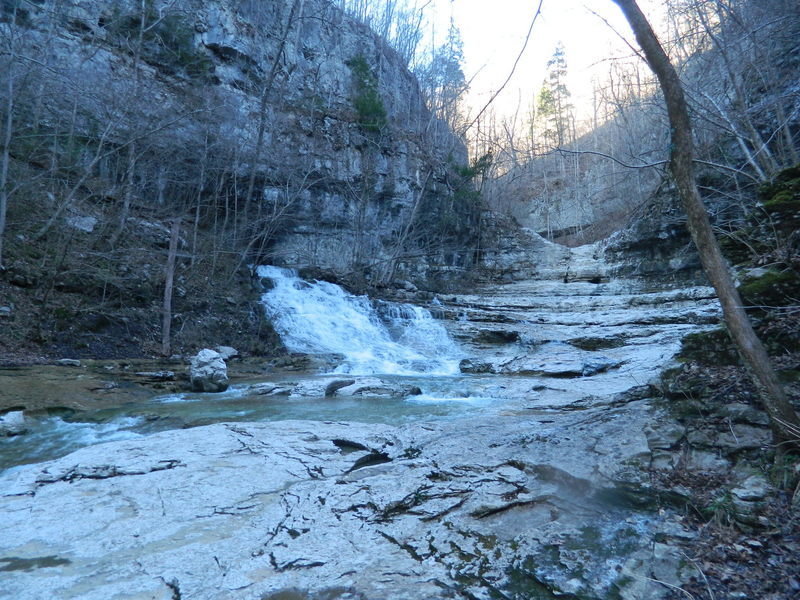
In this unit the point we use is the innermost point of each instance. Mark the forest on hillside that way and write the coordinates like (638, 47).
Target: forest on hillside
(134, 130)
(289, 311)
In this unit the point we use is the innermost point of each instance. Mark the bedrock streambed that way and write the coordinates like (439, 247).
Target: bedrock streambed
(399, 364)
(521, 476)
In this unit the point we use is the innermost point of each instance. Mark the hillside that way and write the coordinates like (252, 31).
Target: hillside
(269, 133)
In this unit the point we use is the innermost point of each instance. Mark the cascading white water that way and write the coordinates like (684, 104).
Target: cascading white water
(321, 317)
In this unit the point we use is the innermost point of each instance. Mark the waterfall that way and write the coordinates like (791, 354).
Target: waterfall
(320, 317)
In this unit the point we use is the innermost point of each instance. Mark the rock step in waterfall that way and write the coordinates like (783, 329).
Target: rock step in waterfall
(321, 317)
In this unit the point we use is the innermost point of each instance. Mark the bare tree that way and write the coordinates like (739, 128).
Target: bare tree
(4, 184)
(784, 421)
(166, 346)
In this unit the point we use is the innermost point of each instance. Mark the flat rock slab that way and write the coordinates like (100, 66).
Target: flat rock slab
(467, 509)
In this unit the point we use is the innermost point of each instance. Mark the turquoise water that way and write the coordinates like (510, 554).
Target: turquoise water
(403, 344)
(54, 436)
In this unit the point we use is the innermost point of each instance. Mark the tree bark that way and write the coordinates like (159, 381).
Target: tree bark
(166, 347)
(262, 107)
(784, 421)
(9, 122)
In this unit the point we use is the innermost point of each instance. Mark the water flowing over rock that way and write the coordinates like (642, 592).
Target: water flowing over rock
(320, 317)
(533, 483)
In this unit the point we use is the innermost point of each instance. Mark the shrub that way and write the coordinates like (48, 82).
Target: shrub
(367, 101)
(168, 45)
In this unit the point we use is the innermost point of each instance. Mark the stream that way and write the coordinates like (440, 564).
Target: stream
(491, 444)
(523, 347)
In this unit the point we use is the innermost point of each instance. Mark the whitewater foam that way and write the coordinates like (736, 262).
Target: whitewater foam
(323, 318)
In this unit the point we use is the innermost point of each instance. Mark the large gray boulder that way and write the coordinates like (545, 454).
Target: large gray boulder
(13, 423)
(208, 372)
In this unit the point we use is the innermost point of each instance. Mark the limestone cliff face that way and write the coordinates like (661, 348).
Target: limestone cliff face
(350, 159)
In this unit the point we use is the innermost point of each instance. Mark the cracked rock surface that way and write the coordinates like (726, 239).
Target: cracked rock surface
(546, 495)
(459, 510)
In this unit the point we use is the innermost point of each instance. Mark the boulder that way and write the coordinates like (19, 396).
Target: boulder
(338, 384)
(372, 386)
(227, 352)
(208, 372)
(13, 423)
(470, 365)
(68, 362)
(353, 387)
(82, 223)
(270, 389)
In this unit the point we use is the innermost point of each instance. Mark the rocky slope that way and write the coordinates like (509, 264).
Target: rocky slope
(544, 490)
(347, 147)
(280, 132)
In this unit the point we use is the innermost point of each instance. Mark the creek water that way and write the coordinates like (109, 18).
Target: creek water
(401, 343)
(538, 346)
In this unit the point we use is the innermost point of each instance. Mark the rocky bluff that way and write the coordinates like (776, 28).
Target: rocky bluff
(292, 124)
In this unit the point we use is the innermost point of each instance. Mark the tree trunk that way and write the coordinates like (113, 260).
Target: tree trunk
(5, 160)
(784, 420)
(262, 107)
(166, 348)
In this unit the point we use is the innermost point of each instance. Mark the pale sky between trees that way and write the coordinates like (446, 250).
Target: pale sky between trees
(493, 32)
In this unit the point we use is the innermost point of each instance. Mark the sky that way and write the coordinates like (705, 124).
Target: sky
(493, 32)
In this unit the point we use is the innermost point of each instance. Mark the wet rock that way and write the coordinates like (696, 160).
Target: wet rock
(271, 389)
(333, 386)
(496, 336)
(566, 367)
(372, 386)
(208, 372)
(307, 362)
(598, 365)
(13, 423)
(156, 376)
(227, 353)
(315, 273)
(310, 388)
(5, 311)
(471, 365)
(596, 343)
(68, 362)
(355, 386)
(429, 507)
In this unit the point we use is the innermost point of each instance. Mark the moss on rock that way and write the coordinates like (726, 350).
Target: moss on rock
(772, 288)
(709, 348)
(781, 201)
